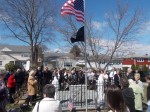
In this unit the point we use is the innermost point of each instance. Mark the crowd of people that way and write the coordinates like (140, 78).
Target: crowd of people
(123, 92)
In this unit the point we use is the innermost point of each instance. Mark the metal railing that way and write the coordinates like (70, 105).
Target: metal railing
(76, 94)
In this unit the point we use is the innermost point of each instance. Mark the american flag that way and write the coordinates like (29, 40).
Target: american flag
(74, 7)
(70, 105)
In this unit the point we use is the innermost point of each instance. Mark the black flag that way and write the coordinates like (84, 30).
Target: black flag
(79, 35)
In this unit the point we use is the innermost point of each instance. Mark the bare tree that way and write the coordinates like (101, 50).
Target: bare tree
(75, 50)
(29, 21)
(70, 28)
(123, 26)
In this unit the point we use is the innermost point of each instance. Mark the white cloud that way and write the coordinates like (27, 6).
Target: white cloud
(145, 28)
(99, 25)
(57, 50)
(4, 16)
(141, 49)
(136, 48)
(96, 24)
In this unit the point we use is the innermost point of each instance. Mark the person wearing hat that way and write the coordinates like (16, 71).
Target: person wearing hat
(148, 92)
(3, 92)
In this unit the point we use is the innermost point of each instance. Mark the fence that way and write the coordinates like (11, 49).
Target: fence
(76, 93)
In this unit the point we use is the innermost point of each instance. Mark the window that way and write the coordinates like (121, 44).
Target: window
(118, 62)
(115, 62)
(25, 55)
(140, 60)
(12, 62)
(1, 62)
(148, 59)
(111, 62)
(67, 64)
(102, 62)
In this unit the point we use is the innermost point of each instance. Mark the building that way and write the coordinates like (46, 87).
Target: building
(67, 60)
(60, 60)
(19, 55)
(115, 62)
(14, 54)
(136, 60)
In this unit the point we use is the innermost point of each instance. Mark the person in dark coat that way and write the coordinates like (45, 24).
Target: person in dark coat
(128, 95)
(74, 77)
(60, 77)
(81, 77)
(3, 93)
(7, 76)
(66, 77)
(129, 74)
(47, 76)
(18, 78)
(23, 74)
(117, 78)
(39, 76)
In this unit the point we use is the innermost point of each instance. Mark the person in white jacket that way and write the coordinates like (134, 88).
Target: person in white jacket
(48, 103)
(137, 80)
(138, 94)
(100, 89)
(56, 84)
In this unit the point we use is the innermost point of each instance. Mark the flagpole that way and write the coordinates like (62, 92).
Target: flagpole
(85, 38)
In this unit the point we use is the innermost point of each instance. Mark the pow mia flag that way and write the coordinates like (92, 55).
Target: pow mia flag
(79, 36)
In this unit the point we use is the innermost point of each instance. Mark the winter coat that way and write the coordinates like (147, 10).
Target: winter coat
(117, 80)
(130, 76)
(32, 86)
(100, 89)
(18, 77)
(138, 94)
(11, 82)
(148, 92)
(56, 84)
(48, 105)
(128, 96)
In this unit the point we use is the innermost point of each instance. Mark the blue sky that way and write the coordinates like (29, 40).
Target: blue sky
(98, 9)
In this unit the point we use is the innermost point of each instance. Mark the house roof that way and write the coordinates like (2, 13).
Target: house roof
(138, 56)
(14, 48)
(53, 55)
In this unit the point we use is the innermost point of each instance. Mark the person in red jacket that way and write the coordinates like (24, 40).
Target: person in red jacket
(11, 84)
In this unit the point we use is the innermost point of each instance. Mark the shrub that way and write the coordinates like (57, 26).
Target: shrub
(10, 66)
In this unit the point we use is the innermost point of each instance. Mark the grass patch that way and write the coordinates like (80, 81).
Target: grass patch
(13, 106)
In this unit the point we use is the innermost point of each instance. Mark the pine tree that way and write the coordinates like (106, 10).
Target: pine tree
(137, 67)
(133, 67)
(144, 68)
